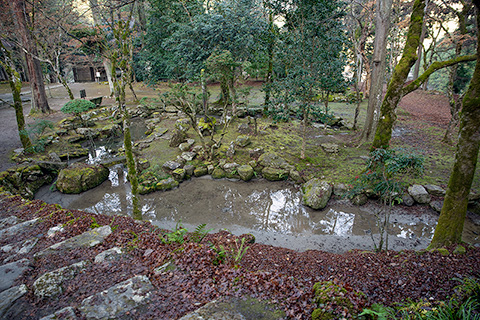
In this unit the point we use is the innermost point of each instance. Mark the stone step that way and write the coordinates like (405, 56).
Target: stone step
(10, 272)
(51, 284)
(118, 300)
(236, 309)
(9, 296)
(17, 228)
(87, 239)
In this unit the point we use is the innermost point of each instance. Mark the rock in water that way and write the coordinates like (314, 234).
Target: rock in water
(81, 177)
(316, 193)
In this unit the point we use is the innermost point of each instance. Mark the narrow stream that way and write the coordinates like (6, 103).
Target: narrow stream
(272, 212)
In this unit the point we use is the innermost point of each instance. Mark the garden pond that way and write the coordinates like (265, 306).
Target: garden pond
(271, 211)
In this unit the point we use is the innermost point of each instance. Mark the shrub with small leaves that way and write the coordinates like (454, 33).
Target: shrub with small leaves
(77, 106)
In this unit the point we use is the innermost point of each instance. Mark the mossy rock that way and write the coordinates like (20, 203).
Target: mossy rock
(166, 184)
(218, 173)
(274, 161)
(245, 172)
(178, 174)
(334, 301)
(442, 251)
(81, 177)
(460, 250)
(316, 193)
(200, 171)
(274, 174)
(143, 189)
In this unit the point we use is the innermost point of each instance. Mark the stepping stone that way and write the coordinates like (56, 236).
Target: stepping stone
(117, 300)
(108, 255)
(18, 248)
(12, 271)
(50, 283)
(235, 309)
(87, 239)
(15, 229)
(65, 314)
(8, 222)
(8, 297)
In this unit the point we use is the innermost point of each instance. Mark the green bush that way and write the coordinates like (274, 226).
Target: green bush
(77, 106)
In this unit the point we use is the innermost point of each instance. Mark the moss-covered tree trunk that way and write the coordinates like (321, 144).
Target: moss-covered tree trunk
(388, 115)
(120, 59)
(16, 87)
(452, 217)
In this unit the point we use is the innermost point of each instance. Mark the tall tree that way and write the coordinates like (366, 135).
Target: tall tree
(21, 18)
(396, 87)
(454, 101)
(382, 25)
(310, 59)
(452, 217)
(121, 58)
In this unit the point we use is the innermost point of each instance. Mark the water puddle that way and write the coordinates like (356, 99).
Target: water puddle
(270, 211)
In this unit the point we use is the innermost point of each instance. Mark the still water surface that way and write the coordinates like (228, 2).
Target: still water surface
(272, 211)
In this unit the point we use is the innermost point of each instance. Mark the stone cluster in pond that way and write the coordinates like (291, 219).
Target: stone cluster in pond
(317, 193)
(269, 166)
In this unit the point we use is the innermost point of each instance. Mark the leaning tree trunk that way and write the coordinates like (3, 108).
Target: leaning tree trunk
(377, 75)
(33, 64)
(452, 217)
(388, 115)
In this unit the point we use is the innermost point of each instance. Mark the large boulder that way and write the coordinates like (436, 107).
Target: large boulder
(419, 194)
(81, 177)
(316, 193)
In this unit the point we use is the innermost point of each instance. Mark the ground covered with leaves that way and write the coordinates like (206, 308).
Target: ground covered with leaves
(219, 266)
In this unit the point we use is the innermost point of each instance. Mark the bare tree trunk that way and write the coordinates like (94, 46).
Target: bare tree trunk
(382, 25)
(34, 68)
(142, 19)
(108, 70)
(270, 50)
(452, 217)
(388, 115)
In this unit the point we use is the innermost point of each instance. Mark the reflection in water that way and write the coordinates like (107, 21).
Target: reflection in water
(338, 223)
(260, 206)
